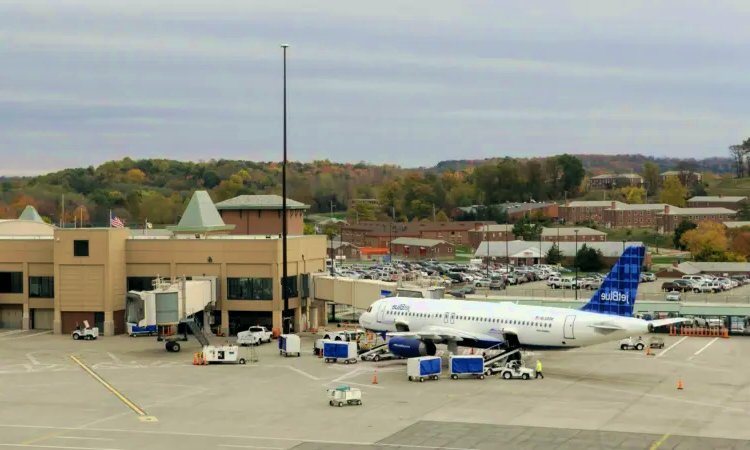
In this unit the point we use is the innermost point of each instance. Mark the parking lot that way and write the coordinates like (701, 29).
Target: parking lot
(646, 291)
(591, 398)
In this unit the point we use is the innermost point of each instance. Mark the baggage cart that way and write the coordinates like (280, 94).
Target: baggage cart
(466, 365)
(223, 354)
(289, 344)
(344, 395)
(424, 368)
(335, 350)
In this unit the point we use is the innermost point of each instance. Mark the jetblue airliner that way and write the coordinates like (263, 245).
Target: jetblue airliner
(416, 326)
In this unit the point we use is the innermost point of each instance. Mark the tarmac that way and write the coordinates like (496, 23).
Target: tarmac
(121, 393)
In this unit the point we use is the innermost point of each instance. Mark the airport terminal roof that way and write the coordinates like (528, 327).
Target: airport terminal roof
(260, 202)
(717, 199)
(201, 216)
(568, 249)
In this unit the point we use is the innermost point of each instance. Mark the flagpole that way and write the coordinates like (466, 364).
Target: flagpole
(144, 225)
(62, 217)
(110, 218)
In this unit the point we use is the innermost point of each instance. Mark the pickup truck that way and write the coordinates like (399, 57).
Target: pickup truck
(254, 336)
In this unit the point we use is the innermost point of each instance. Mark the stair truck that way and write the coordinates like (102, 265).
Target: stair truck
(335, 350)
(289, 344)
(466, 365)
(424, 368)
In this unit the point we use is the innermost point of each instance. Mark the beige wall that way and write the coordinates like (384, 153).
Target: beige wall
(357, 293)
(97, 283)
(25, 228)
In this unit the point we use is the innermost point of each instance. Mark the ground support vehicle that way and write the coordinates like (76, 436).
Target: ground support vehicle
(344, 395)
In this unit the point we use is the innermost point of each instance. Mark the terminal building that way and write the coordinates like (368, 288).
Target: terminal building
(52, 278)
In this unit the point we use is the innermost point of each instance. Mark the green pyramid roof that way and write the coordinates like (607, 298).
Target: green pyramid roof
(201, 216)
(29, 213)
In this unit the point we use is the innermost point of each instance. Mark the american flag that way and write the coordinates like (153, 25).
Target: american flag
(114, 221)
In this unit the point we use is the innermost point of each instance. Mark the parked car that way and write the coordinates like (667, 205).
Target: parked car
(554, 282)
(647, 276)
(569, 283)
(674, 296)
(482, 283)
(677, 285)
(497, 283)
(707, 287)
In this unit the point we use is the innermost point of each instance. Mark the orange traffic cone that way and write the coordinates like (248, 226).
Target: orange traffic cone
(195, 359)
(648, 351)
(679, 384)
(375, 378)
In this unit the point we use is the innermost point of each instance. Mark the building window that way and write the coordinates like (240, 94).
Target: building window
(250, 288)
(305, 285)
(11, 282)
(290, 284)
(140, 283)
(42, 287)
(80, 248)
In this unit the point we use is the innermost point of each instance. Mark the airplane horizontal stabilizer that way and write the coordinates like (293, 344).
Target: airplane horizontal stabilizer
(664, 322)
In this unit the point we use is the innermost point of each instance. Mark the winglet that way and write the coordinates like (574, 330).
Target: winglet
(618, 292)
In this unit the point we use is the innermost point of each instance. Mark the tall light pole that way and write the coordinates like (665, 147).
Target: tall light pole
(507, 257)
(284, 280)
(575, 263)
(487, 263)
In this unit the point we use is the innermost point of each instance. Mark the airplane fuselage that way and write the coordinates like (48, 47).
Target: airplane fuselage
(535, 326)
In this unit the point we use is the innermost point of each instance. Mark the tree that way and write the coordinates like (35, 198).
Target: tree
(633, 195)
(673, 193)
(651, 176)
(740, 241)
(441, 217)
(680, 230)
(589, 259)
(308, 228)
(136, 175)
(709, 237)
(554, 255)
(738, 157)
(81, 215)
(743, 213)
(527, 230)
(362, 211)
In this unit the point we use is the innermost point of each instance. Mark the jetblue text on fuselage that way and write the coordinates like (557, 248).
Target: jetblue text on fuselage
(401, 307)
(614, 296)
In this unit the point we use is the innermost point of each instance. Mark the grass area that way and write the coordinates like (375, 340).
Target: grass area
(646, 235)
(729, 186)
(666, 259)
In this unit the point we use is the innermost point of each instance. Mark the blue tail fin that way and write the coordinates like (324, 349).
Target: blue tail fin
(618, 291)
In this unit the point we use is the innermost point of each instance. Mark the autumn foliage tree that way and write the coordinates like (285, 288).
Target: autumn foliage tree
(633, 195)
(708, 242)
(673, 192)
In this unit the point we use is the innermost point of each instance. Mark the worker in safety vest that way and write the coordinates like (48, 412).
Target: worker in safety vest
(539, 369)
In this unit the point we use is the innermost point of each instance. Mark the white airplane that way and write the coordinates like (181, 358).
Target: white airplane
(416, 326)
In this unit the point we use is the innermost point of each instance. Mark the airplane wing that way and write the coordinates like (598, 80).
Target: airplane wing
(663, 322)
(437, 333)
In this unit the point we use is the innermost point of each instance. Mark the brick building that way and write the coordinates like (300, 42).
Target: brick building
(343, 250)
(493, 233)
(719, 201)
(420, 249)
(668, 219)
(379, 234)
(568, 234)
(262, 215)
(587, 211)
(611, 181)
(516, 210)
(623, 215)
(687, 178)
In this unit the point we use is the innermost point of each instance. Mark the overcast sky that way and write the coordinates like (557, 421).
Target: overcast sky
(408, 82)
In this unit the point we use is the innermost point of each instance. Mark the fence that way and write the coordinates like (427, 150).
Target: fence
(585, 294)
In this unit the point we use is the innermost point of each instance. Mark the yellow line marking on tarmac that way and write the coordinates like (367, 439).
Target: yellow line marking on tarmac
(142, 415)
(658, 443)
(43, 438)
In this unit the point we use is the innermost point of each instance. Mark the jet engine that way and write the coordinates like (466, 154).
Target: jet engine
(410, 348)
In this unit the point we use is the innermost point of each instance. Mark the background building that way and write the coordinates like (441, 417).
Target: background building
(668, 219)
(527, 253)
(587, 211)
(719, 201)
(261, 214)
(623, 215)
(612, 181)
(421, 249)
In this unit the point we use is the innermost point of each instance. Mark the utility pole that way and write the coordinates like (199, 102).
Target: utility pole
(284, 280)
(433, 212)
